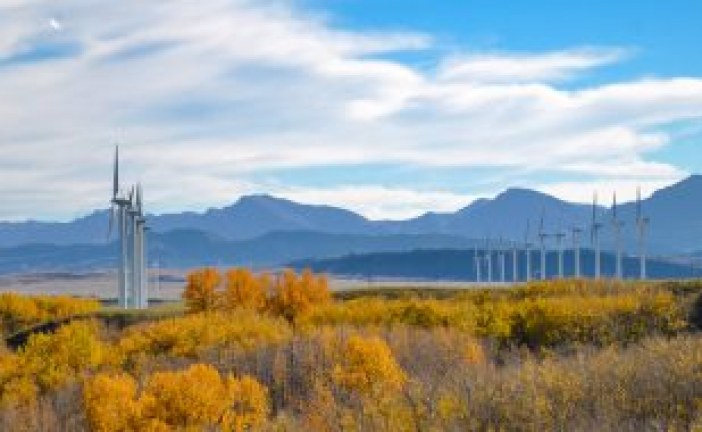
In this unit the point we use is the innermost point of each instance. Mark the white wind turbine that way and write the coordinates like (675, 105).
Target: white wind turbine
(575, 233)
(642, 224)
(527, 252)
(617, 226)
(542, 243)
(595, 228)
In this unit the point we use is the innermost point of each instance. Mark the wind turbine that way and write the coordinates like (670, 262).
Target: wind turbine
(575, 233)
(542, 242)
(501, 258)
(488, 259)
(617, 225)
(515, 262)
(120, 205)
(527, 252)
(642, 224)
(131, 275)
(478, 264)
(560, 236)
(595, 228)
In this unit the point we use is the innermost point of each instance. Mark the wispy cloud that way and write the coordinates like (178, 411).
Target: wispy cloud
(203, 94)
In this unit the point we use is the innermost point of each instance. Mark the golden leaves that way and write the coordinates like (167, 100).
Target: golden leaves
(368, 367)
(288, 295)
(195, 398)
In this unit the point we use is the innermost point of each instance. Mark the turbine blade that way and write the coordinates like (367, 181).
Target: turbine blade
(115, 174)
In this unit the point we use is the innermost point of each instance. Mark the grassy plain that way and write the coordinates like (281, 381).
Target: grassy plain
(249, 352)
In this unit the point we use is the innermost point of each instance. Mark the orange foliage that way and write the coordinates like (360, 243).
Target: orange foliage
(110, 403)
(244, 289)
(294, 295)
(193, 399)
(368, 367)
(18, 311)
(200, 293)
(289, 295)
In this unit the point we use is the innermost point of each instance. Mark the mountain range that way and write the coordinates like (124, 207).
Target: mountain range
(264, 230)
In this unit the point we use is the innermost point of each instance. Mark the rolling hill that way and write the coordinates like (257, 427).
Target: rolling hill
(675, 212)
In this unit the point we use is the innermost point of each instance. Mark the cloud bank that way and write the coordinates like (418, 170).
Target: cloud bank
(206, 96)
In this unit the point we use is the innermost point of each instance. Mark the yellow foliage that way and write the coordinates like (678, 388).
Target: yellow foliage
(193, 399)
(368, 367)
(54, 359)
(19, 311)
(294, 295)
(16, 387)
(191, 335)
(200, 293)
(110, 403)
(248, 404)
(245, 290)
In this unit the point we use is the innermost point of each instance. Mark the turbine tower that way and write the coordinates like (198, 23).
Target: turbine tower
(515, 262)
(560, 236)
(119, 205)
(501, 259)
(642, 223)
(488, 260)
(617, 225)
(527, 252)
(478, 265)
(595, 228)
(131, 271)
(575, 233)
(542, 243)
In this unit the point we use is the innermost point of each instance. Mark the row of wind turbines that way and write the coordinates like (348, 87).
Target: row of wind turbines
(127, 207)
(491, 262)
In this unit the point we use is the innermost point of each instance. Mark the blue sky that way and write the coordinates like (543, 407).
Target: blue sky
(390, 108)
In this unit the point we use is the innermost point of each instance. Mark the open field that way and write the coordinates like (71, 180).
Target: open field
(248, 352)
(101, 285)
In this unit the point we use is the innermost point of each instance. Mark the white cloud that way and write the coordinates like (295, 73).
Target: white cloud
(204, 94)
(511, 68)
(379, 202)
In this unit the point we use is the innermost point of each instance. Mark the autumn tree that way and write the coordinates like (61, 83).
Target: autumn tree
(294, 295)
(110, 403)
(368, 367)
(196, 398)
(200, 293)
(248, 404)
(244, 289)
(55, 359)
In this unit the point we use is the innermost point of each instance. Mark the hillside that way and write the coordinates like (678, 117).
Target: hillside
(675, 213)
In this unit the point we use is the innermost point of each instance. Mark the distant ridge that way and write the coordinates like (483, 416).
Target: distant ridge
(675, 212)
(459, 265)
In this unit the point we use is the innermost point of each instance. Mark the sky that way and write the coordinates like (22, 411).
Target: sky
(389, 108)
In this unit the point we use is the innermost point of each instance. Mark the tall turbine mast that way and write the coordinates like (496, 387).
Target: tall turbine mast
(119, 204)
(478, 264)
(527, 252)
(501, 258)
(515, 262)
(595, 228)
(131, 274)
(642, 227)
(575, 233)
(542, 243)
(488, 259)
(560, 236)
(617, 225)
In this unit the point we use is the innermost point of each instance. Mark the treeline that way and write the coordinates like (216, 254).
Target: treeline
(18, 312)
(288, 294)
(258, 352)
